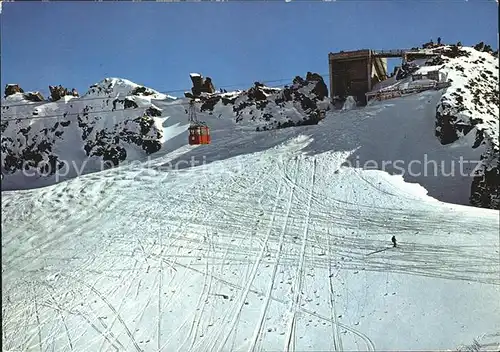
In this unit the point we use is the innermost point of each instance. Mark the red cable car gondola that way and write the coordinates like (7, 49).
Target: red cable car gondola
(199, 133)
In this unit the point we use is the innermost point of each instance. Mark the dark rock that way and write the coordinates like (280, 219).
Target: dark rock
(256, 93)
(485, 187)
(142, 91)
(150, 146)
(454, 51)
(33, 96)
(208, 86)
(303, 95)
(479, 46)
(228, 100)
(127, 103)
(448, 128)
(454, 118)
(12, 89)
(153, 111)
(31, 154)
(57, 92)
(209, 104)
(34, 148)
(201, 85)
(438, 60)
(406, 70)
(320, 90)
(197, 85)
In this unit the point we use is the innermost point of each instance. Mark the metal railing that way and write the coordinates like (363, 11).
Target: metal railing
(395, 92)
(394, 52)
(403, 52)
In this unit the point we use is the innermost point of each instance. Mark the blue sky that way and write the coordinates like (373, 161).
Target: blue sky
(77, 44)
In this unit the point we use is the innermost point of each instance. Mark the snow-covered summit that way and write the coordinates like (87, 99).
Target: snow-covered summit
(116, 120)
(115, 87)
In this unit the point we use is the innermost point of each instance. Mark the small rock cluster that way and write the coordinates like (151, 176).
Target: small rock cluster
(57, 92)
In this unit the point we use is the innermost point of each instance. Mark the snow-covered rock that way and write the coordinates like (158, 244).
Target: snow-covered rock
(15, 92)
(58, 92)
(119, 87)
(200, 85)
(302, 103)
(471, 105)
(11, 89)
(113, 122)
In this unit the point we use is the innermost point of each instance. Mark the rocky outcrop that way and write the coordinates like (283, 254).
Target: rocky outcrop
(57, 92)
(471, 105)
(321, 89)
(454, 51)
(143, 91)
(109, 142)
(486, 182)
(481, 46)
(302, 103)
(33, 96)
(201, 85)
(11, 89)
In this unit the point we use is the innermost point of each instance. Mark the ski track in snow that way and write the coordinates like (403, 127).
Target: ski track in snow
(284, 254)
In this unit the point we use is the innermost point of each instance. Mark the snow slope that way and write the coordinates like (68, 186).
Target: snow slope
(275, 240)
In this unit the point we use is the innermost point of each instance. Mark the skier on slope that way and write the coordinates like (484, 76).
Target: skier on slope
(393, 239)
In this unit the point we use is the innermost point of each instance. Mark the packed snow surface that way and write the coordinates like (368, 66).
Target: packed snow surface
(271, 242)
